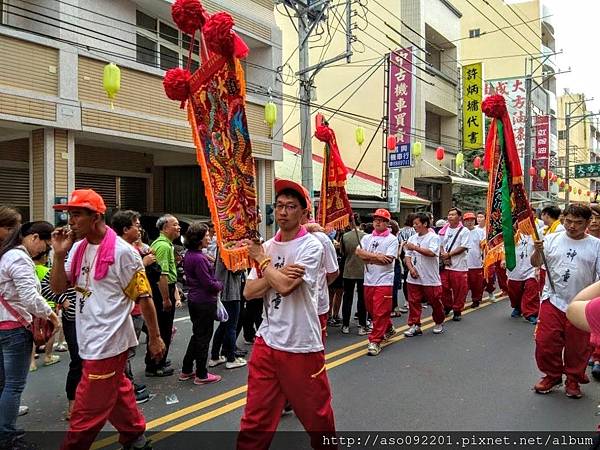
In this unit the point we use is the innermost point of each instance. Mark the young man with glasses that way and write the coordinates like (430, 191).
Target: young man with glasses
(379, 250)
(288, 359)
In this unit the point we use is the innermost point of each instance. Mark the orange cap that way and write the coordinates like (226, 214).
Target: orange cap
(469, 215)
(383, 213)
(83, 198)
(281, 184)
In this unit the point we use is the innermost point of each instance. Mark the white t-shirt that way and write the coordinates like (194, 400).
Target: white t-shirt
(103, 319)
(476, 235)
(573, 264)
(292, 323)
(329, 264)
(457, 262)
(523, 270)
(427, 266)
(377, 274)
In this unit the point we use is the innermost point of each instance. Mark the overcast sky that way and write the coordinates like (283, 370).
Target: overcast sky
(576, 24)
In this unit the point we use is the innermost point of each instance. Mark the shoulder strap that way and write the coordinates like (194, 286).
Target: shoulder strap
(454, 240)
(14, 312)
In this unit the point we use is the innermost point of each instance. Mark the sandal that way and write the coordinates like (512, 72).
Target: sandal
(53, 360)
(395, 314)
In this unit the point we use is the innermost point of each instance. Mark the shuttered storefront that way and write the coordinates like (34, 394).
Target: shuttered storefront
(184, 191)
(14, 175)
(105, 185)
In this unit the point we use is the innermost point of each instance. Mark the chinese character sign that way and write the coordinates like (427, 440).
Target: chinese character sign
(539, 184)
(394, 191)
(542, 136)
(472, 116)
(513, 91)
(400, 94)
(587, 170)
(400, 157)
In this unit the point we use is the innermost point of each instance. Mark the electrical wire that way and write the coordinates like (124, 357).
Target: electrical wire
(514, 27)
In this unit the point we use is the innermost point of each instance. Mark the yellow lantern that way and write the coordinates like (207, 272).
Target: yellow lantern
(558, 180)
(417, 150)
(270, 116)
(566, 186)
(111, 81)
(543, 174)
(359, 134)
(460, 159)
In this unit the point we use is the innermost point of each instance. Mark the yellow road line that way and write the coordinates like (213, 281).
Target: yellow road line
(428, 323)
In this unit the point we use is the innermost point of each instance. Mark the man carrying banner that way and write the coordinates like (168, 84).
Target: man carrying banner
(573, 262)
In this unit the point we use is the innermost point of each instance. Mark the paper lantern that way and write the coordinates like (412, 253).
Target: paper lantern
(417, 149)
(543, 174)
(439, 154)
(570, 188)
(554, 178)
(559, 180)
(562, 184)
(319, 118)
(460, 159)
(532, 171)
(550, 175)
(579, 191)
(111, 81)
(391, 142)
(477, 162)
(588, 193)
(270, 116)
(359, 134)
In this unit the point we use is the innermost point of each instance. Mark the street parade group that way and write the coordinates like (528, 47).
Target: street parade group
(98, 285)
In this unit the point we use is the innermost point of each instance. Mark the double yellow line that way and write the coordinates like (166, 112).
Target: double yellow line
(214, 413)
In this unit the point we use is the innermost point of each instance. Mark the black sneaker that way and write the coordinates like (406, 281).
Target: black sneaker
(147, 446)
(447, 311)
(139, 387)
(164, 372)
(142, 397)
(456, 317)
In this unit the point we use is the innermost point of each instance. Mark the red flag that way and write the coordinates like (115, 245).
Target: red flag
(334, 209)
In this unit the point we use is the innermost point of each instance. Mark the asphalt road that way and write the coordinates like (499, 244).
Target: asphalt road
(476, 376)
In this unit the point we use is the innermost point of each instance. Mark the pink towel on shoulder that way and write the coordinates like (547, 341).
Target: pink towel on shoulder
(442, 232)
(106, 256)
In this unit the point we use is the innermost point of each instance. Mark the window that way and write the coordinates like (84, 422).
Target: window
(433, 130)
(159, 44)
(474, 33)
(562, 134)
(434, 56)
(2, 16)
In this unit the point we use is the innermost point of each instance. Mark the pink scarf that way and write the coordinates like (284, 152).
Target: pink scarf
(105, 257)
(302, 232)
(385, 233)
(442, 232)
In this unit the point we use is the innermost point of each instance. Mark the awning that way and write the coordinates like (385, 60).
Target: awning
(443, 179)
(359, 185)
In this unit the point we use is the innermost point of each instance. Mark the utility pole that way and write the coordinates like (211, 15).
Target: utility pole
(309, 13)
(568, 126)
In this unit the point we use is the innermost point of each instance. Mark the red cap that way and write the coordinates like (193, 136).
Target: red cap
(469, 215)
(383, 213)
(281, 184)
(83, 198)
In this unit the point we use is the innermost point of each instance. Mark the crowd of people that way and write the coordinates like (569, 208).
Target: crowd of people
(106, 285)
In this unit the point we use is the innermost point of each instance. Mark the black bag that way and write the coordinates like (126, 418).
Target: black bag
(442, 265)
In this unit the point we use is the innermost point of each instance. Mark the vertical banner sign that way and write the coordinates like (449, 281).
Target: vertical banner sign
(542, 154)
(394, 191)
(400, 95)
(513, 91)
(472, 94)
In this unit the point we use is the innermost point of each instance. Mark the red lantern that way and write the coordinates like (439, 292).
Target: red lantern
(562, 184)
(391, 142)
(532, 171)
(440, 153)
(477, 162)
(550, 175)
(570, 188)
(579, 191)
(554, 178)
(319, 118)
(588, 193)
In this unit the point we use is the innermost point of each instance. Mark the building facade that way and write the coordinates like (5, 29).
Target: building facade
(58, 130)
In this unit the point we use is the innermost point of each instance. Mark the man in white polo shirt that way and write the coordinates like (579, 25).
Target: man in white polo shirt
(475, 276)
(424, 283)
(453, 253)
(523, 287)
(379, 250)
(288, 358)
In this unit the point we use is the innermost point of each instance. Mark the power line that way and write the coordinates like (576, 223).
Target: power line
(524, 22)
(485, 33)
(514, 27)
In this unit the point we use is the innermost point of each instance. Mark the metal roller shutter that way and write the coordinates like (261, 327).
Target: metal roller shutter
(105, 185)
(133, 193)
(14, 189)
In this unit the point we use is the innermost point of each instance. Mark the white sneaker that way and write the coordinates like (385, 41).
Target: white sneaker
(23, 410)
(373, 349)
(216, 362)
(414, 330)
(439, 328)
(389, 333)
(238, 362)
(345, 330)
(362, 331)
(492, 297)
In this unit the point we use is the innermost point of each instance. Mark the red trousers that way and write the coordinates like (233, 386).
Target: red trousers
(502, 277)
(525, 296)
(454, 289)
(323, 322)
(476, 283)
(378, 302)
(273, 377)
(416, 295)
(555, 335)
(104, 394)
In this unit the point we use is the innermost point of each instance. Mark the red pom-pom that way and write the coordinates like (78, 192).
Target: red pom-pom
(189, 15)
(177, 84)
(494, 106)
(218, 34)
